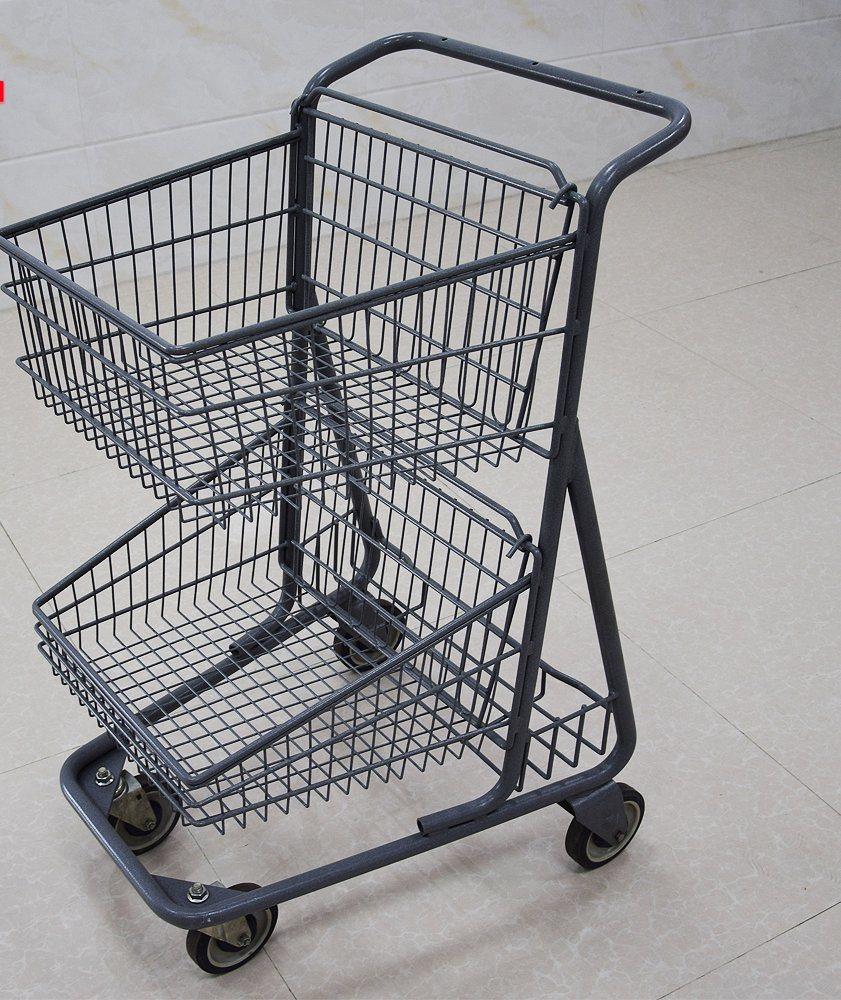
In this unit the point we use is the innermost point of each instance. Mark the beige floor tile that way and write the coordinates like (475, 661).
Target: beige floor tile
(803, 962)
(669, 238)
(773, 335)
(735, 850)
(719, 866)
(35, 444)
(797, 188)
(60, 522)
(603, 313)
(759, 149)
(672, 441)
(38, 716)
(745, 611)
(73, 927)
(20, 589)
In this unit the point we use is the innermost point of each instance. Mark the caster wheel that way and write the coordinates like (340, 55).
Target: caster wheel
(218, 957)
(166, 819)
(590, 851)
(357, 652)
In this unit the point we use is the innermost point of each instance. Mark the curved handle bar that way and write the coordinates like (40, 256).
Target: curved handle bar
(612, 173)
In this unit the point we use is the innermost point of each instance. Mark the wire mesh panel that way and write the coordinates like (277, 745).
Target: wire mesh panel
(155, 320)
(234, 697)
(158, 266)
(235, 689)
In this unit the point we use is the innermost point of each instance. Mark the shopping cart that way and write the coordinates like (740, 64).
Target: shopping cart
(308, 348)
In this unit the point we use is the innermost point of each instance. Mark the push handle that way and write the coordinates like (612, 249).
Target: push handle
(611, 174)
(555, 76)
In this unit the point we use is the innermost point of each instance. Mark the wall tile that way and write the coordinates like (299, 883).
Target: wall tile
(550, 30)
(36, 184)
(747, 87)
(160, 64)
(629, 23)
(41, 110)
(520, 113)
(113, 164)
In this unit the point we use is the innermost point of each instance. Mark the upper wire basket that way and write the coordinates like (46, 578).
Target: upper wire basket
(156, 319)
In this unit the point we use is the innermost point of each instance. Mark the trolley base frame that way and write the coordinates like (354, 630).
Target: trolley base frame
(591, 796)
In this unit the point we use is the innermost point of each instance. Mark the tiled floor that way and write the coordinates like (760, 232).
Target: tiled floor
(712, 416)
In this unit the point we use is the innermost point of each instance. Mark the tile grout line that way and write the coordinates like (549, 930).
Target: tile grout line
(277, 970)
(40, 760)
(73, 56)
(712, 189)
(190, 834)
(762, 944)
(639, 317)
(48, 479)
(17, 550)
(726, 291)
(692, 163)
(221, 881)
(636, 642)
(712, 520)
(763, 389)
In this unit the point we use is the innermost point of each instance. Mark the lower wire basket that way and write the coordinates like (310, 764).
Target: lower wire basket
(244, 664)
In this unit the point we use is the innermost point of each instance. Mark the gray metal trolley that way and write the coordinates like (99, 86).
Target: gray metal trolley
(309, 348)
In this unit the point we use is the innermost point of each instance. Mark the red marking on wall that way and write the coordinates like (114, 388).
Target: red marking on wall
(2, 91)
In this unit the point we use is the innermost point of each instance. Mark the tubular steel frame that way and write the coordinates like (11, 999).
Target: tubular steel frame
(591, 794)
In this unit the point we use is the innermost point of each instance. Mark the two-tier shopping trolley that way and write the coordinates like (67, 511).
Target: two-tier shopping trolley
(317, 351)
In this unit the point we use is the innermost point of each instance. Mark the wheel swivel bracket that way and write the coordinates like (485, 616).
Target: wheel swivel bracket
(236, 932)
(131, 803)
(602, 812)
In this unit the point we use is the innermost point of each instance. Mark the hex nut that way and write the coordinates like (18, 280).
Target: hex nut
(197, 893)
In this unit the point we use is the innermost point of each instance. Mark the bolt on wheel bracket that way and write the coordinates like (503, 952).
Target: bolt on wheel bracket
(602, 812)
(101, 778)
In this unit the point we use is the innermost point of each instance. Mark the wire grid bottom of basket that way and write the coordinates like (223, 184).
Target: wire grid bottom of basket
(401, 720)
(179, 638)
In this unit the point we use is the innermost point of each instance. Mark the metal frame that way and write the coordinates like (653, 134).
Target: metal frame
(590, 795)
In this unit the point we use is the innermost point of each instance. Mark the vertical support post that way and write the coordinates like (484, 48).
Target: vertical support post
(298, 255)
(563, 466)
(601, 601)
(311, 343)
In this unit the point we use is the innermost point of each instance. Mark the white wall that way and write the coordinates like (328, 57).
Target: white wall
(100, 92)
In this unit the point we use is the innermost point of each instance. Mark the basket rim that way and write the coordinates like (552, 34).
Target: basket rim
(321, 313)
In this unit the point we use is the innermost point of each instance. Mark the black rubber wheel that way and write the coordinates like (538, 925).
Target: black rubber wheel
(166, 819)
(218, 957)
(590, 851)
(358, 652)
